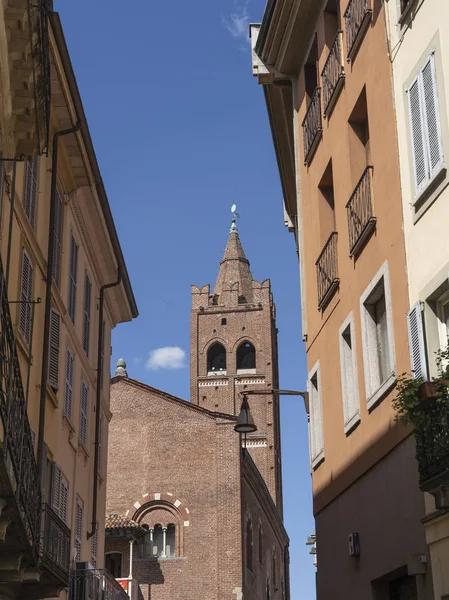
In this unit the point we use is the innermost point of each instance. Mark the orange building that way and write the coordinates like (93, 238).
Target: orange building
(327, 80)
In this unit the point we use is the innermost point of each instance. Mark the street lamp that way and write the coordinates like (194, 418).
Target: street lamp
(245, 422)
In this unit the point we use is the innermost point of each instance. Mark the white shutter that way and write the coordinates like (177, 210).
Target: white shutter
(79, 527)
(87, 305)
(84, 405)
(53, 358)
(57, 233)
(316, 419)
(68, 390)
(418, 136)
(73, 278)
(432, 116)
(30, 191)
(56, 476)
(26, 296)
(417, 342)
(100, 443)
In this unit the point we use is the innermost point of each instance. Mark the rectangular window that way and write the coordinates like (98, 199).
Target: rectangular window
(57, 236)
(416, 342)
(53, 358)
(59, 492)
(377, 337)
(30, 189)
(26, 297)
(316, 417)
(425, 125)
(68, 390)
(100, 443)
(443, 320)
(86, 313)
(73, 278)
(84, 407)
(79, 527)
(349, 382)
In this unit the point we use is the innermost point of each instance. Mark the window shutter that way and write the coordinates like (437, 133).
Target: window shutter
(57, 232)
(84, 404)
(73, 278)
(26, 291)
(101, 374)
(94, 548)
(432, 116)
(79, 527)
(87, 305)
(417, 131)
(64, 499)
(100, 443)
(30, 192)
(316, 420)
(53, 359)
(417, 342)
(56, 476)
(68, 391)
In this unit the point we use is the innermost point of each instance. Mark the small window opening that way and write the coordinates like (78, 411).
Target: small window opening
(311, 71)
(359, 142)
(114, 564)
(242, 300)
(326, 205)
(216, 358)
(170, 542)
(246, 356)
(223, 321)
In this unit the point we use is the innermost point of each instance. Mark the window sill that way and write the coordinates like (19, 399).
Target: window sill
(216, 373)
(83, 449)
(246, 371)
(430, 193)
(66, 420)
(383, 389)
(316, 462)
(352, 424)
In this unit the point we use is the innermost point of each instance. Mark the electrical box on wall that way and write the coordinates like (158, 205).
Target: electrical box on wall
(354, 544)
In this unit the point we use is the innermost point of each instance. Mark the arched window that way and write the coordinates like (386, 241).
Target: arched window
(170, 541)
(113, 564)
(216, 358)
(246, 356)
(242, 300)
(249, 546)
(260, 545)
(158, 541)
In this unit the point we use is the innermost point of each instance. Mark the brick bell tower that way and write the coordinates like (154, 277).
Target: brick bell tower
(233, 347)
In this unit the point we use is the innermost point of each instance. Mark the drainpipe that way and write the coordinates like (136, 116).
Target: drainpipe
(98, 398)
(48, 284)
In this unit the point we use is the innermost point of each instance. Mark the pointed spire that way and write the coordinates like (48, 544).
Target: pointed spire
(120, 370)
(234, 267)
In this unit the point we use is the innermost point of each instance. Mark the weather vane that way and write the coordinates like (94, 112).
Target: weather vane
(235, 215)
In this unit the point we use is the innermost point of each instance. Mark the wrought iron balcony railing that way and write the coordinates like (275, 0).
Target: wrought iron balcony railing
(357, 17)
(19, 478)
(312, 126)
(327, 271)
(55, 545)
(432, 448)
(333, 74)
(95, 584)
(361, 219)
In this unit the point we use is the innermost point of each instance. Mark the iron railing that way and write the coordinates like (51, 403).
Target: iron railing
(432, 447)
(312, 126)
(95, 584)
(327, 271)
(357, 16)
(361, 219)
(333, 73)
(55, 545)
(17, 450)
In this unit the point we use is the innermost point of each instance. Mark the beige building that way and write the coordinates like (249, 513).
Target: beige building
(419, 52)
(327, 78)
(59, 256)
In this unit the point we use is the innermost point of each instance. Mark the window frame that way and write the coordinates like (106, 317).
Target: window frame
(316, 421)
(58, 238)
(73, 278)
(25, 308)
(67, 408)
(87, 312)
(29, 200)
(351, 411)
(83, 434)
(374, 393)
(79, 524)
(443, 329)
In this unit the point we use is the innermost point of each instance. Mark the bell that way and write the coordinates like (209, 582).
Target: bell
(245, 422)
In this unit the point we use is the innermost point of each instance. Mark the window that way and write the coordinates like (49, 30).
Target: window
(30, 189)
(246, 356)
(216, 358)
(57, 236)
(68, 389)
(249, 546)
(348, 367)
(425, 126)
(72, 278)
(59, 492)
(260, 545)
(86, 319)
(170, 541)
(326, 205)
(84, 408)
(403, 588)
(223, 321)
(102, 337)
(416, 342)
(79, 527)
(113, 564)
(316, 417)
(242, 300)
(53, 358)
(377, 337)
(443, 320)
(100, 443)
(26, 297)
(158, 546)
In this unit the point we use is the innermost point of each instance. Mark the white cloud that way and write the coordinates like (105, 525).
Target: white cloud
(237, 23)
(169, 357)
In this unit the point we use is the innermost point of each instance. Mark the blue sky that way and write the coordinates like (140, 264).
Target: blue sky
(181, 132)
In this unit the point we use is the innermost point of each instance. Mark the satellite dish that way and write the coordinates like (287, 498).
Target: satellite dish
(233, 208)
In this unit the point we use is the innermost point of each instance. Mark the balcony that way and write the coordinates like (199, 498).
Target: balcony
(333, 74)
(327, 271)
(55, 547)
(95, 584)
(361, 220)
(29, 73)
(311, 126)
(357, 18)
